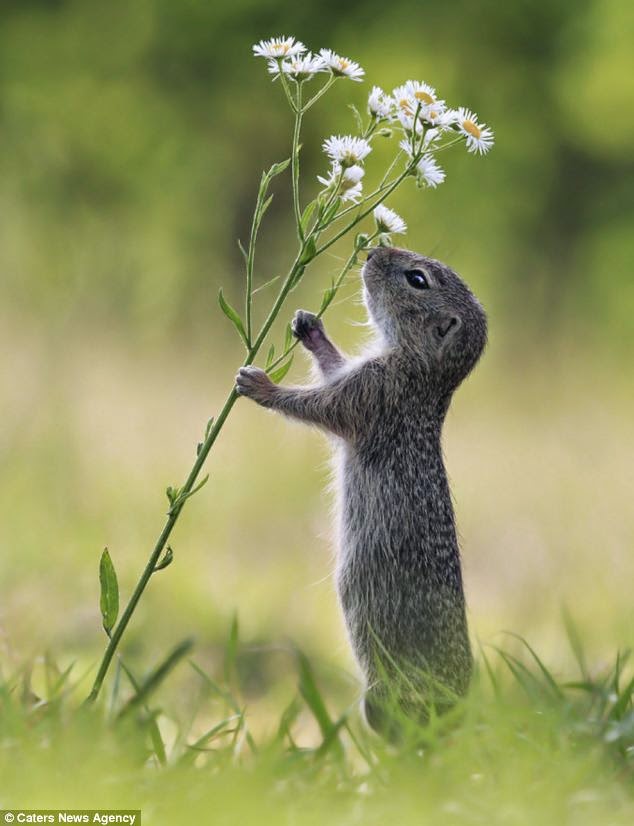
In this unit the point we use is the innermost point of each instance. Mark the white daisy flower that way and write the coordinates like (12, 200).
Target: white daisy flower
(342, 66)
(278, 47)
(379, 103)
(428, 171)
(479, 137)
(350, 186)
(404, 101)
(353, 193)
(422, 93)
(415, 97)
(388, 221)
(302, 67)
(447, 119)
(434, 113)
(346, 150)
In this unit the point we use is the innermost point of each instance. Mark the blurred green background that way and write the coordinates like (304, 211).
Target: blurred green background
(132, 136)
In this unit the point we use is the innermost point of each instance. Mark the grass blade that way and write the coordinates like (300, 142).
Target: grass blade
(156, 677)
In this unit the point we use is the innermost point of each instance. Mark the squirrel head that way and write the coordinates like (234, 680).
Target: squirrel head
(422, 305)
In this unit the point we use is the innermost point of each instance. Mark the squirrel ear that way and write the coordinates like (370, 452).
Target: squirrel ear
(444, 327)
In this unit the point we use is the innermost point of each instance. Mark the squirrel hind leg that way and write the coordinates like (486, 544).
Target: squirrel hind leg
(388, 716)
(399, 718)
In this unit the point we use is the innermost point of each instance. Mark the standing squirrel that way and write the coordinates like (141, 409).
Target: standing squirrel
(398, 564)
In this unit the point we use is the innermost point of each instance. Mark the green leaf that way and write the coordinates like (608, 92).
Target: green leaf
(548, 677)
(180, 498)
(277, 375)
(278, 168)
(221, 728)
(361, 240)
(357, 116)
(270, 357)
(233, 317)
(315, 702)
(288, 338)
(306, 215)
(330, 212)
(308, 253)
(109, 598)
(298, 276)
(265, 285)
(329, 294)
(242, 250)
(167, 559)
(264, 207)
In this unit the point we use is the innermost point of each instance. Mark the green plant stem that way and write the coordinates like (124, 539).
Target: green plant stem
(250, 263)
(120, 627)
(339, 281)
(321, 92)
(295, 163)
(287, 91)
(388, 190)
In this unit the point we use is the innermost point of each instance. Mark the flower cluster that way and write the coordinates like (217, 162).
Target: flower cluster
(414, 109)
(419, 110)
(290, 57)
(346, 155)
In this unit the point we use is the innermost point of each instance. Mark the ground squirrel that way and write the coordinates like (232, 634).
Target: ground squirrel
(398, 564)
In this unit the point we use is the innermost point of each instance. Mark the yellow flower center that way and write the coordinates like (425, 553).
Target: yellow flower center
(472, 128)
(343, 64)
(423, 97)
(433, 115)
(404, 105)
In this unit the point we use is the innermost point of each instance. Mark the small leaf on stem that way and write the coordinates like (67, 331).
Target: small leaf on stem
(278, 375)
(308, 252)
(167, 559)
(180, 498)
(278, 168)
(307, 214)
(264, 207)
(172, 494)
(288, 338)
(330, 211)
(357, 116)
(109, 598)
(242, 250)
(329, 294)
(270, 357)
(233, 317)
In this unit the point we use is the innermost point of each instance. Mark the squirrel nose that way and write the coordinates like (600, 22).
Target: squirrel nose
(370, 253)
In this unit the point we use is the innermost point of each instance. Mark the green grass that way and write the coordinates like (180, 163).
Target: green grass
(524, 747)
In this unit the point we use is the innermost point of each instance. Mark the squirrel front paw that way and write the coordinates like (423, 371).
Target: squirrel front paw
(308, 328)
(255, 384)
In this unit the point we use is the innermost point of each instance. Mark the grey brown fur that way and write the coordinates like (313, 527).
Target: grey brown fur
(398, 564)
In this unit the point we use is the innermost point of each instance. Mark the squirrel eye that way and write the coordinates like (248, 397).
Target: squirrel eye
(417, 279)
